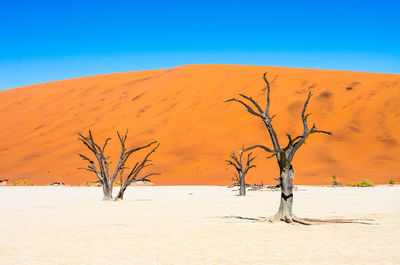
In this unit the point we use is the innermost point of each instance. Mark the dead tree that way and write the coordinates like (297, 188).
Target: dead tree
(241, 171)
(102, 167)
(133, 174)
(284, 156)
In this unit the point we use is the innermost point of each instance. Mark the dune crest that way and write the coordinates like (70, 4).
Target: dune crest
(184, 109)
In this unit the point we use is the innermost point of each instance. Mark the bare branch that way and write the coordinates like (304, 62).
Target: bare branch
(258, 146)
(122, 139)
(303, 116)
(250, 159)
(306, 132)
(233, 164)
(86, 158)
(238, 161)
(125, 155)
(268, 92)
(94, 145)
(264, 115)
(250, 167)
(268, 157)
(137, 149)
(249, 109)
(236, 178)
(99, 153)
(86, 142)
(248, 164)
(144, 178)
(136, 170)
(92, 167)
(291, 141)
(254, 103)
(314, 130)
(88, 169)
(105, 144)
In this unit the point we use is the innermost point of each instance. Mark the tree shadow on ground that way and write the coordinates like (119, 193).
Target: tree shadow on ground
(305, 221)
(258, 219)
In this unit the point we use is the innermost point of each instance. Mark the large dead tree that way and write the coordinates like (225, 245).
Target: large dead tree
(102, 166)
(241, 170)
(284, 155)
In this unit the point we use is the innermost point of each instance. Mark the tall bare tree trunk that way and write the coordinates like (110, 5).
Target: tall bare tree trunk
(286, 182)
(107, 191)
(242, 190)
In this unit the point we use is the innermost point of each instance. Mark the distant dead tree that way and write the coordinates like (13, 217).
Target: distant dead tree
(284, 156)
(241, 170)
(102, 166)
(3, 182)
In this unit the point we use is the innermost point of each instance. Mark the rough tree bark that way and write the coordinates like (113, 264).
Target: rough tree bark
(102, 167)
(284, 156)
(240, 174)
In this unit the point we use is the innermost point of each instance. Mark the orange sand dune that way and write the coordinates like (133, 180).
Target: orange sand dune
(184, 109)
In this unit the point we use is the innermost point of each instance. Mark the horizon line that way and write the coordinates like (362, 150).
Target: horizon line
(200, 64)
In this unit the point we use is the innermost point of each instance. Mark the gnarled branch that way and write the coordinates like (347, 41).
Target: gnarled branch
(306, 131)
(258, 146)
(249, 109)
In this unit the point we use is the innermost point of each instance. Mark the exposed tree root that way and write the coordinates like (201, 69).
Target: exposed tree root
(292, 219)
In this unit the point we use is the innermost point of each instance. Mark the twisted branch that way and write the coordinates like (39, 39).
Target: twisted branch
(300, 140)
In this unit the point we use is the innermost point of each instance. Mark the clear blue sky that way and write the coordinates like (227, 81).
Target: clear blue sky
(44, 41)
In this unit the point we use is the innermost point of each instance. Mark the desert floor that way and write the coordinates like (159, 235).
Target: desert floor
(195, 225)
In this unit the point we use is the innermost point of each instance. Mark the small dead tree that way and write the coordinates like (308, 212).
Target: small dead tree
(284, 156)
(241, 171)
(132, 176)
(102, 167)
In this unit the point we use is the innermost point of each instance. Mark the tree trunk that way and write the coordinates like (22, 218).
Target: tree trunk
(107, 197)
(120, 195)
(242, 190)
(285, 208)
(107, 191)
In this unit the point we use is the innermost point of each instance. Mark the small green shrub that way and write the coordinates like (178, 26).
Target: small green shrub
(20, 182)
(89, 182)
(367, 183)
(391, 182)
(335, 182)
(363, 183)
